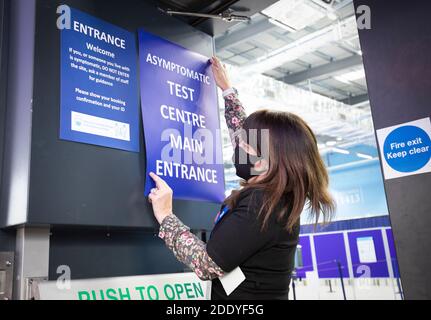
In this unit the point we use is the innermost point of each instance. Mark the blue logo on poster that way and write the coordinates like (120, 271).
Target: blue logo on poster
(407, 149)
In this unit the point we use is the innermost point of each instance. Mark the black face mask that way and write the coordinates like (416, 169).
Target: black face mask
(244, 170)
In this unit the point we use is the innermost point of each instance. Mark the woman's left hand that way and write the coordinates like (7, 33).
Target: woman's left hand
(161, 198)
(220, 74)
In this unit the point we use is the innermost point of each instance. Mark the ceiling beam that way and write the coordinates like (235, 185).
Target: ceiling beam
(302, 46)
(236, 37)
(326, 69)
(356, 99)
(330, 89)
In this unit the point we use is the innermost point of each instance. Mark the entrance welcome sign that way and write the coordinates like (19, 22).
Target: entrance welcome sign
(99, 91)
(181, 120)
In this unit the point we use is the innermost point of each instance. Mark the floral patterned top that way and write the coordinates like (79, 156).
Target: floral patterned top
(235, 116)
(187, 247)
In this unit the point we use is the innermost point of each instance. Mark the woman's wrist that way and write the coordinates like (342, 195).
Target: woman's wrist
(162, 218)
(226, 87)
(229, 91)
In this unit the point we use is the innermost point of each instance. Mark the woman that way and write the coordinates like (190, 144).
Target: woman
(258, 226)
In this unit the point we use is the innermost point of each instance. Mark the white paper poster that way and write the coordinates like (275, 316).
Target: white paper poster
(366, 250)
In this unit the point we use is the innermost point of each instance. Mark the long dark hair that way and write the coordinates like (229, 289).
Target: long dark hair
(296, 175)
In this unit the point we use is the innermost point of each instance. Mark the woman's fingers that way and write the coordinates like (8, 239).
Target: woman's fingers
(160, 183)
(160, 198)
(215, 67)
(216, 62)
(220, 74)
(162, 188)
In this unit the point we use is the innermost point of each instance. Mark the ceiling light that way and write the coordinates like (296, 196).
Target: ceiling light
(331, 143)
(365, 156)
(300, 47)
(281, 25)
(332, 15)
(351, 76)
(342, 151)
(297, 14)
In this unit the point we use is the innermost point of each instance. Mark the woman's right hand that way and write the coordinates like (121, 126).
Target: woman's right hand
(220, 74)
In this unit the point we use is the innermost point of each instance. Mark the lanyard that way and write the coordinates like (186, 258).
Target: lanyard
(221, 214)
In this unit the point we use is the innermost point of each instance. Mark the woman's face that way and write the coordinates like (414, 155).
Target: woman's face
(254, 167)
(247, 148)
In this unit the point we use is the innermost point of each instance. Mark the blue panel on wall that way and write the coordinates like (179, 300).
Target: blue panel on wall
(369, 259)
(307, 259)
(333, 159)
(358, 190)
(329, 249)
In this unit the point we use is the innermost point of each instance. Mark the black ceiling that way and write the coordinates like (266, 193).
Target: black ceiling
(213, 26)
(196, 5)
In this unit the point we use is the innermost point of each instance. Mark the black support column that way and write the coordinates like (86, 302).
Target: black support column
(7, 238)
(398, 67)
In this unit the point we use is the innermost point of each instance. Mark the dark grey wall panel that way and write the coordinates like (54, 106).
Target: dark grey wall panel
(19, 98)
(95, 253)
(4, 15)
(78, 184)
(7, 240)
(398, 67)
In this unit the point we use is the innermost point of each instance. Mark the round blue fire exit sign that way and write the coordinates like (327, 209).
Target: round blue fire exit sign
(407, 149)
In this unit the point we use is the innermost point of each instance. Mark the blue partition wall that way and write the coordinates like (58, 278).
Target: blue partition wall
(330, 251)
(307, 259)
(393, 253)
(378, 269)
(342, 247)
(362, 213)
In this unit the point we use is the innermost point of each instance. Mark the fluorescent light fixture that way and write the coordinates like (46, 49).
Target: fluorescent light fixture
(351, 76)
(342, 151)
(332, 15)
(300, 47)
(281, 25)
(365, 156)
(297, 14)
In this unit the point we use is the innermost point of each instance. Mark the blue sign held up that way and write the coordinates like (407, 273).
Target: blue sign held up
(181, 120)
